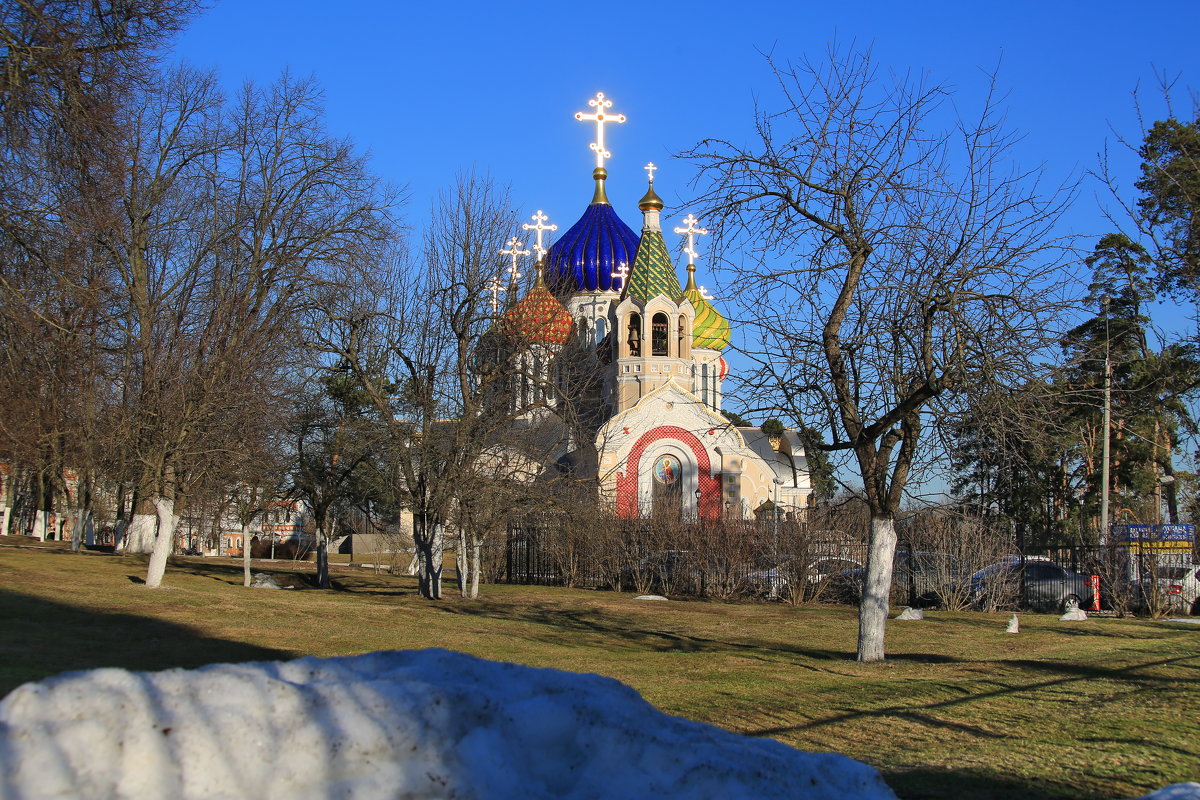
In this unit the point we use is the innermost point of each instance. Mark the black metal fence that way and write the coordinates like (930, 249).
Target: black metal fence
(951, 562)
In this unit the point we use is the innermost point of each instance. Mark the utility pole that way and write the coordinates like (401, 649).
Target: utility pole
(1107, 425)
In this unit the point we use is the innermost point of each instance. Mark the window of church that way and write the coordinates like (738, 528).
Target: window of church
(658, 335)
(601, 330)
(634, 338)
(683, 348)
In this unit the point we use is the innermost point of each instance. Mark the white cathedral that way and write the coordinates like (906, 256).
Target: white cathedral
(661, 442)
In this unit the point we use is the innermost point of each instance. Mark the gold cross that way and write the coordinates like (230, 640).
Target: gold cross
(600, 118)
(539, 220)
(514, 245)
(495, 287)
(650, 170)
(622, 273)
(691, 230)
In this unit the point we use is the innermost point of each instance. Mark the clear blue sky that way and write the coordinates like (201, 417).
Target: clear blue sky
(434, 87)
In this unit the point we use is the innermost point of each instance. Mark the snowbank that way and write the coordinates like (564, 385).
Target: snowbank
(419, 724)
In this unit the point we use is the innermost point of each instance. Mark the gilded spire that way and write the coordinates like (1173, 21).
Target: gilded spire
(650, 200)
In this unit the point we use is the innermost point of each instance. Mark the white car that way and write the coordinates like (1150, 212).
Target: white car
(1179, 586)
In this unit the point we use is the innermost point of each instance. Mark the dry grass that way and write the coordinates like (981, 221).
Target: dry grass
(1101, 709)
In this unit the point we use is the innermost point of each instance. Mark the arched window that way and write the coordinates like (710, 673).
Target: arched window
(658, 334)
(683, 350)
(601, 329)
(634, 338)
(583, 333)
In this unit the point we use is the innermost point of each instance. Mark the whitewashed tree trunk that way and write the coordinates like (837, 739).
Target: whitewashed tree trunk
(89, 529)
(245, 554)
(460, 561)
(163, 542)
(7, 523)
(140, 536)
(39, 525)
(119, 539)
(476, 567)
(431, 546)
(877, 587)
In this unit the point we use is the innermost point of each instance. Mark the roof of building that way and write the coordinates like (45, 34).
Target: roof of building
(586, 256)
(653, 273)
(710, 330)
(538, 317)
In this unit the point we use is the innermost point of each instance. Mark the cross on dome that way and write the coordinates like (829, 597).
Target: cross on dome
(707, 295)
(539, 220)
(621, 274)
(600, 103)
(650, 170)
(514, 250)
(495, 287)
(690, 231)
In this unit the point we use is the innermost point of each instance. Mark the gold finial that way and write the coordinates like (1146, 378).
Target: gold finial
(650, 200)
(599, 197)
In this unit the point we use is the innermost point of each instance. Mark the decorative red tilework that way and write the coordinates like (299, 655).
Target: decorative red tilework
(627, 482)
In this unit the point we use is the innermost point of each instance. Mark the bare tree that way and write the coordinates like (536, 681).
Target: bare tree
(890, 258)
(234, 221)
(438, 362)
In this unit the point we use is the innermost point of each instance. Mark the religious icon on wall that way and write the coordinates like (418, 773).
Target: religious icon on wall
(666, 470)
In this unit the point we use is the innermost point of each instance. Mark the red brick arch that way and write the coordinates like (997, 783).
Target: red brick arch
(627, 482)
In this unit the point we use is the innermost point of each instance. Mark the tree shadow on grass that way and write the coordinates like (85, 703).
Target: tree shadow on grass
(39, 638)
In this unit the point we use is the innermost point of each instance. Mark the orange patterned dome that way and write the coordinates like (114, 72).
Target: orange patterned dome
(538, 318)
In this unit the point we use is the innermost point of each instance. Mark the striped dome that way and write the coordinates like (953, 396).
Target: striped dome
(653, 273)
(538, 318)
(710, 330)
(585, 257)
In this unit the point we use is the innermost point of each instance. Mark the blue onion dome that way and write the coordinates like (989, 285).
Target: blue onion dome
(586, 256)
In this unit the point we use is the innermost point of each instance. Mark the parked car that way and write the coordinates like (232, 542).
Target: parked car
(1033, 583)
(773, 577)
(1177, 587)
(919, 578)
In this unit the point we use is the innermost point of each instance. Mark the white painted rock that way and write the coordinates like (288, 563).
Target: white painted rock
(418, 724)
(1014, 625)
(911, 613)
(1073, 615)
(263, 580)
(649, 597)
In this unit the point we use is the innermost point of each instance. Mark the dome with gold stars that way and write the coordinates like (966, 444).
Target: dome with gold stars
(538, 318)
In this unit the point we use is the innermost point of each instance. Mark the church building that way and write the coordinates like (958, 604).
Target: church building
(654, 345)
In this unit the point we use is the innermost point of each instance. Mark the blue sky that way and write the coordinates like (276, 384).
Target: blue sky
(437, 87)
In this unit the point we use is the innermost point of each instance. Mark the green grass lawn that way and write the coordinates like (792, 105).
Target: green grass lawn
(1107, 708)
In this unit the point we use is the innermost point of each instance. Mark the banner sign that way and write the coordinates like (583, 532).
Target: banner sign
(1182, 532)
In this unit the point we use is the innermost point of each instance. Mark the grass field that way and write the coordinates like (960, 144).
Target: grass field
(1107, 708)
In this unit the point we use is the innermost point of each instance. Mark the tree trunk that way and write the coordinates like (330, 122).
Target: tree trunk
(476, 567)
(140, 535)
(245, 554)
(460, 561)
(430, 546)
(39, 525)
(323, 581)
(873, 610)
(164, 541)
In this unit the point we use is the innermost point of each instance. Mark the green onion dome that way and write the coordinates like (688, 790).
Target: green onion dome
(710, 330)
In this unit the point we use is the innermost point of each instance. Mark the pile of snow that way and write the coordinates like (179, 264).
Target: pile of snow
(418, 724)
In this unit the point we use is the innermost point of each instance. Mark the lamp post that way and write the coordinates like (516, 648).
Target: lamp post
(698, 515)
(1104, 457)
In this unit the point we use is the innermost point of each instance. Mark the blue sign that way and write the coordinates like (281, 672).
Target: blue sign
(1181, 532)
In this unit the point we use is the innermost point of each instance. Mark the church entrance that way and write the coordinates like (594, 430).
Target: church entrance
(667, 494)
